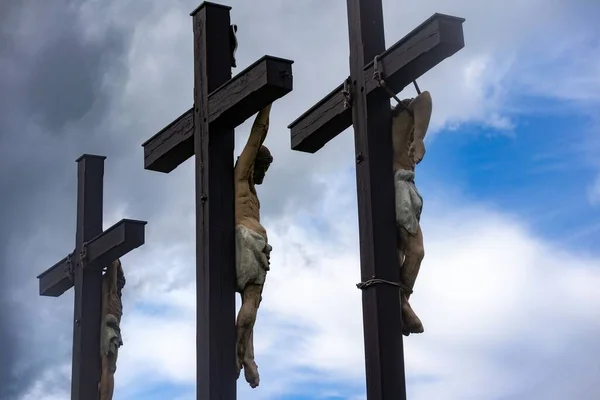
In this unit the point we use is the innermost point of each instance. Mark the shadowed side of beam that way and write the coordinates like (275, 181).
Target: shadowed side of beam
(172, 145)
(439, 38)
(434, 40)
(55, 281)
(237, 100)
(263, 82)
(115, 242)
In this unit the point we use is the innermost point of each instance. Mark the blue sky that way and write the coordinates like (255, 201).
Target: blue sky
(511, 184)
(541, 169)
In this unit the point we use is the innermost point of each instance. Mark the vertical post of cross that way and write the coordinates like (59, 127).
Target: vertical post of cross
(82, 269)
(371, 117)
(87, 281)
(215, 247)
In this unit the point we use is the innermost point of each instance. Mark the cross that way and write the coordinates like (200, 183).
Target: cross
(361, 102)
(95, 249)
(221, 103)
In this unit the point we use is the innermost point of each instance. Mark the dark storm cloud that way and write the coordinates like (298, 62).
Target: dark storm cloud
(65, 81)
(50, 77)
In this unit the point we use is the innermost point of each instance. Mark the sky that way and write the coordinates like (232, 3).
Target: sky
(511, 183)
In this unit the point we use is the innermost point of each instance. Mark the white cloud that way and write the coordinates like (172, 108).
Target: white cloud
(594, 192)
(487, 285)
(46, 388)
(482, 84)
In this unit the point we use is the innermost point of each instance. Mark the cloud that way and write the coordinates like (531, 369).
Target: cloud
(81, 77)
(51, 92)
(501, 307)
(594, 192)
(45, 387)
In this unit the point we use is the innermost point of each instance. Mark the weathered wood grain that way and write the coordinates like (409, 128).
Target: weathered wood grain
(110, 245)
(430, 43)
(83, 270)
(371, 119)
(229, 105)
(215, 213)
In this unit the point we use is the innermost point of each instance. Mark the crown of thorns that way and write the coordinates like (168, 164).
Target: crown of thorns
(264, 155)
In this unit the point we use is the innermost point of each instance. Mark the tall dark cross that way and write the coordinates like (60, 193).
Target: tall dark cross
(94, 250)
(361, 102)
(221, 103)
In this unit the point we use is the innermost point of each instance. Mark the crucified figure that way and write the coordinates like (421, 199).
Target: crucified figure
(113, 282)
(410, 120)
(252, 248)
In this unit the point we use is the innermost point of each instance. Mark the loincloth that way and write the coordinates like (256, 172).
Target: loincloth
(251, 257)
(409, 202)
(111, 339)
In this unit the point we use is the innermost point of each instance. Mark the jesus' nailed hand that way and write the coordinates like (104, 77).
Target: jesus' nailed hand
(252, 248)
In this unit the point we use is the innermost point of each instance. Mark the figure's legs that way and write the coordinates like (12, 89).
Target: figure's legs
(107, 381)
(411, 253)
(245, 325)
(250, 367)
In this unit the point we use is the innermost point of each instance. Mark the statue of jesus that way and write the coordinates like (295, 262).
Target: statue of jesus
(113, 282)
(410, 120)
(252, 248)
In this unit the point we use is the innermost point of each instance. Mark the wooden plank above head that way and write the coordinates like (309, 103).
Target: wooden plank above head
(263, 82)
(430, 43)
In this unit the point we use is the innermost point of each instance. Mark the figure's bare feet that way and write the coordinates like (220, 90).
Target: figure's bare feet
(251, 373)
(410, 322)
(238, 367)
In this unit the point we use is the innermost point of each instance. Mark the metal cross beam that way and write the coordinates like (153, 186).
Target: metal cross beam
(430, 43)
(207, 130)
(94, 250)
(366, 106)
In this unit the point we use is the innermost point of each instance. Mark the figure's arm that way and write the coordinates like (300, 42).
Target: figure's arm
(422, 108)
(258, 133)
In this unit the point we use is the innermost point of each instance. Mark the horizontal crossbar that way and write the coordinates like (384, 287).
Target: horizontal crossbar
(230, 105)
(430, 43)
(110, 245)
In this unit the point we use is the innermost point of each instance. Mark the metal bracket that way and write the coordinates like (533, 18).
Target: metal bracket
(417, 87)
(69, 267)
(377, 74)
(83, 253)
(347, 93)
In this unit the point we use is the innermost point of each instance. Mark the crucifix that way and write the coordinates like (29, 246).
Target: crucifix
(221, 103)
(362, 103)
(94, 250)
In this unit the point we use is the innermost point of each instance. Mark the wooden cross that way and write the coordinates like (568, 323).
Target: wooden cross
(207, 130)
(362, 103)
(94, 251)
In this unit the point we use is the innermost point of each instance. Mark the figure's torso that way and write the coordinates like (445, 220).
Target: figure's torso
(247, 207)
(112, 303)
